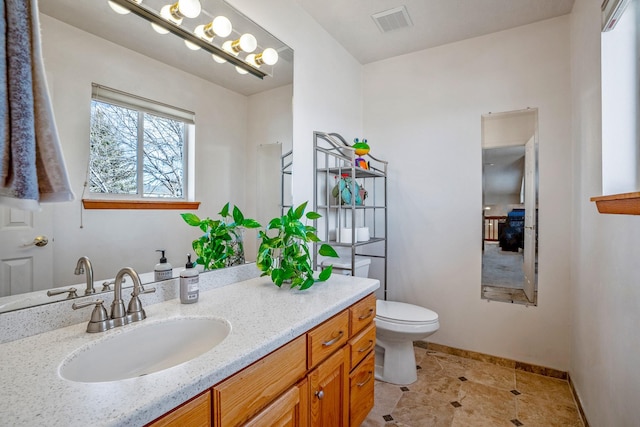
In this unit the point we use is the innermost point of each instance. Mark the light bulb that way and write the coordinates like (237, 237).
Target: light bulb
(189, 8)
(269, 56)
(218, 59)
(158, 29)
(251, 60)
(121, 9)
(221, 26)
(167, 13)
(241, 70)
(228, 46)
(199, 31)
(248, 43)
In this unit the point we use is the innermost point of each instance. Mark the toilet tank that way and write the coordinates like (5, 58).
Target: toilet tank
(343, 265)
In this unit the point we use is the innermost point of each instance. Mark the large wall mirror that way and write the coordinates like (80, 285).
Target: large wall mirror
(241, 122)
(510, 206)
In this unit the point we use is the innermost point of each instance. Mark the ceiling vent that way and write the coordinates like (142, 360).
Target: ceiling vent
(392, 19)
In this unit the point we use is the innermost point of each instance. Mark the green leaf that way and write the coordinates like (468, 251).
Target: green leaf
(326, 250)
(325, 273)
(225, 211)
(191, 219)
(311, 237)
(307, 283)
(275, 223)
(250, 223)
(313, 215)
(300, 210)
(238, 217)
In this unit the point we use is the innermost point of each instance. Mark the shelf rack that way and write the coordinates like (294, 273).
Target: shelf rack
(334, 159)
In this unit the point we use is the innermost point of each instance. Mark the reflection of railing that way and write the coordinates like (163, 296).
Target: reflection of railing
(491, 227)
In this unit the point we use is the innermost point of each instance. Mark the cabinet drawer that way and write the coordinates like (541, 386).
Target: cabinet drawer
(327, 338)
(362, 344)
(194, 413)
(362, 313)
(361, 383)
(241, 396)
(290, 410)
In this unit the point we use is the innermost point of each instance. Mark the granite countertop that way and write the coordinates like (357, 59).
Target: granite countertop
(262, 316)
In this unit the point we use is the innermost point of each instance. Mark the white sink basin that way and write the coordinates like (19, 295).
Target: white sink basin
(145, 349)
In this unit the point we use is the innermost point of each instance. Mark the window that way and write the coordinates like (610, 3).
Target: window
(138, 148)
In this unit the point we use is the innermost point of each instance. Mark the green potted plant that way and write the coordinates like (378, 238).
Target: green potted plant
(221, 245)
(285, 256)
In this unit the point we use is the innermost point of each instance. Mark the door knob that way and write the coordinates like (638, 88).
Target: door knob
(39, 241)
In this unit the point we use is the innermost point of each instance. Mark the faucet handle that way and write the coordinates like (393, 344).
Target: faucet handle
(135, 310)
(106, 285)
(99, 319)
(72, 293)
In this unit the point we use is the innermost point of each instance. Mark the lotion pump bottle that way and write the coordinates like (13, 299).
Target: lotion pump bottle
(189, 283)
(163, 269)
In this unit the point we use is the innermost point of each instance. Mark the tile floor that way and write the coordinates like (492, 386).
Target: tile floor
(455, 391)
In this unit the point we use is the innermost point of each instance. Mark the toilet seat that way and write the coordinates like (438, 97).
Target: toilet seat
(405, 314)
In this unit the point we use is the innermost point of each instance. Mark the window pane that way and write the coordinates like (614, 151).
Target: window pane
(163, 157)
(113, 157)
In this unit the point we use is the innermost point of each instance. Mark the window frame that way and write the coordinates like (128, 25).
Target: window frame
(145, 106)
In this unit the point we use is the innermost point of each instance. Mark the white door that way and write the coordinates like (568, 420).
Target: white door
(530, 219)
(24, 266)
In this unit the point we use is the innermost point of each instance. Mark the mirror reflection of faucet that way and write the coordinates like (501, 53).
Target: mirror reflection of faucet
(84, 267)
(101, 322)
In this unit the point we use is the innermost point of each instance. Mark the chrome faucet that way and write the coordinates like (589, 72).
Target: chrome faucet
(84, 266)
(100, 322)
(135, 311)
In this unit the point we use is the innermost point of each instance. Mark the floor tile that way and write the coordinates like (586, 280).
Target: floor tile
(551, 389)
(490, 395)
(535, 411)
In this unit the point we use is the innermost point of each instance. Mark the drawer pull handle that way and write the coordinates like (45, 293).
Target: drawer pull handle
(333, 341)
(366, 316)
(367, 348)
(366, 381)
(320, 394)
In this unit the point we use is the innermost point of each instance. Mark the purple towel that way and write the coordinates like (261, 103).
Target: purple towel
(32, 168)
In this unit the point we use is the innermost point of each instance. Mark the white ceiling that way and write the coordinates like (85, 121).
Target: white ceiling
(435, 22)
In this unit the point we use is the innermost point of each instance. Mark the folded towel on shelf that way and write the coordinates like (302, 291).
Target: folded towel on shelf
(32, 168)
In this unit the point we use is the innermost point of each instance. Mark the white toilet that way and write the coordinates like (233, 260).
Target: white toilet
(397, 325)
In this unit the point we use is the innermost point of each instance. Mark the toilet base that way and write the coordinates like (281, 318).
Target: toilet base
(396, 362)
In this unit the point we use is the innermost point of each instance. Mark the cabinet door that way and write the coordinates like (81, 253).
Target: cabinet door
(194, 413)
(329, 393)
(361, 383)
(289, 410)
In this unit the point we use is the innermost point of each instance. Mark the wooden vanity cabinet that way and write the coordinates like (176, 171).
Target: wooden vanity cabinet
(194, 413)
(323, 378)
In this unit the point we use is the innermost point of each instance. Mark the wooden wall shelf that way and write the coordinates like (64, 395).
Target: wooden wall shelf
(623, 204)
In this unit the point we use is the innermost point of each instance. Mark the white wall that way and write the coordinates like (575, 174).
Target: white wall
(605, 272)
(73, 60)
(327, 90)
(422, 113)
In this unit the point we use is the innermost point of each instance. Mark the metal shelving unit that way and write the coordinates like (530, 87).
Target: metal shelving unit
(334, 159)
(286, 169)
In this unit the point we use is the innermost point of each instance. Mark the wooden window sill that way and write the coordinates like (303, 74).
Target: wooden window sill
(139, 204)
(624, 204)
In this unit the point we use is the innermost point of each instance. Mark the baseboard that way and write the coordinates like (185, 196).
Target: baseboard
(578, 402)
(500, 361)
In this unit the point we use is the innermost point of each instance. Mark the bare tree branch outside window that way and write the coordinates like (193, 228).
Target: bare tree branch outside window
(114, 162)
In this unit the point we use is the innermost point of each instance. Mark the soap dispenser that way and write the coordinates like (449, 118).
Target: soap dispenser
(189, 283)
(163, 269)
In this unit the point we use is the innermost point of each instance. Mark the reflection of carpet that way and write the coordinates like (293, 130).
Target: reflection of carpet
(502, 268)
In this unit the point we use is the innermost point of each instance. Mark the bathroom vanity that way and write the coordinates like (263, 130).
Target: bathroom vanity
(303, 356)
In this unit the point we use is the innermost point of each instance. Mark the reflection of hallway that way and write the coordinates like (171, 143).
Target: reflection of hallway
(503, 275)
(502, 268)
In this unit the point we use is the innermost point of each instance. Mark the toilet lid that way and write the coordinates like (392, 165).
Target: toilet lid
(400, 311)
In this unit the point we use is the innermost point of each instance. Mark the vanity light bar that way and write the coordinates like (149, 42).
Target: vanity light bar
(151, 16)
